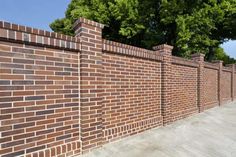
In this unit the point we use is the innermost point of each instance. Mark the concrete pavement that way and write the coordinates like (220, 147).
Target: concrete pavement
(208, 134)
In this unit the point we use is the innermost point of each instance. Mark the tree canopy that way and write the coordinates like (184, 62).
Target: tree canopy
(189, 25)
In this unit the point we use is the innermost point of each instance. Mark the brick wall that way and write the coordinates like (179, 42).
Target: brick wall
(184, 87)
(39, 100)
(210, 87)
(132, 96)
(91, 82)
(226, 84)
(63, 96)
(234, 87)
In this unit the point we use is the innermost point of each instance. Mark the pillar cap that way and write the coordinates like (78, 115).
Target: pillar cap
(198, 55)
(230, 65)
(217, 61)
(163, 47)
(88, 22)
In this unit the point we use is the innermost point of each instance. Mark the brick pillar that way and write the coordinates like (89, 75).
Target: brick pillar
(166, 86)
(233, 82)
(220, 65)
(200, 59)
(90, 34)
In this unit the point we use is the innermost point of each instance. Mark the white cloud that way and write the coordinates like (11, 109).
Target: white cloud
(230, 48)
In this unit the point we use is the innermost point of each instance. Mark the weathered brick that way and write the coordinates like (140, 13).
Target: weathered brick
(23, 61)
(63, 137)
(4, 82)
(11, 144)
(3, 117)
(62, 73)
(35, 149)
(22, 50)
(11, 110)
(14, 132)
(4, 47)
(23, 82)
(3, 88)
(44, 112)
(3, 33)
(17, 71)
(24, 125)
(35, 98)
(15, 66)
(19, 153)
(23, 136)
(5, 105)
(10, 99)
(7, 139)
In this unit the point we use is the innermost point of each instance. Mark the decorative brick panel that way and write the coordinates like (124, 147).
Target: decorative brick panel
(226, 86)
(210, 88)
(184, 91)
(132, 98)
(39, 101)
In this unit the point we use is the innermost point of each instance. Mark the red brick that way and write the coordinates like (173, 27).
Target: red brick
(57, 102)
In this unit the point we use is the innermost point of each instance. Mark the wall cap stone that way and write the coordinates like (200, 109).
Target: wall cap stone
(163, 47)
(33, 36)
(198, 55)
(89, 22)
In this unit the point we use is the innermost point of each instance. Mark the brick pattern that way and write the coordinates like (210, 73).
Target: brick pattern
(39, 101)
(200, 80)
(123, 49)
(23, 34)
(235, 84)
(63, 96)
(166, 86)
(210, 88)
(226, 86)
(219, 65)
(132, 95)
(184, 62)
(184, 88)
(91, 82)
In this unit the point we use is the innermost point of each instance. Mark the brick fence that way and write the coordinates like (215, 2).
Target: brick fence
(63, 96)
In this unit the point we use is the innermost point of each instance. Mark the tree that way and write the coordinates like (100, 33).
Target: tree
(189, 25)
(221, 55)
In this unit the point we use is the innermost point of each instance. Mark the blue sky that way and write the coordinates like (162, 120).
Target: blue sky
(33, 13)
(40, 13)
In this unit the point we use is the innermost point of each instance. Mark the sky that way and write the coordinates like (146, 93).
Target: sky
(40, 13)
(33, 13)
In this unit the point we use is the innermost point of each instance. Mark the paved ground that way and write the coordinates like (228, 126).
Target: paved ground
(209, 134)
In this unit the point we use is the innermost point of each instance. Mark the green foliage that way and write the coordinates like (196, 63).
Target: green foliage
(189, 25)
(221, 55)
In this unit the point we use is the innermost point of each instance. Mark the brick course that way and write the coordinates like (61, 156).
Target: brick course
(63, 96)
